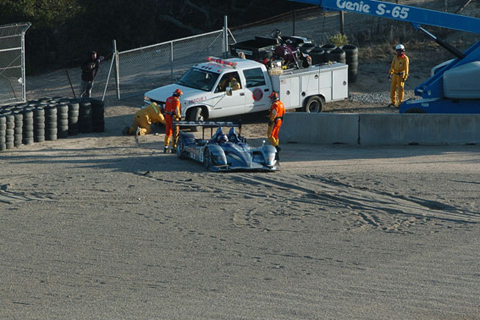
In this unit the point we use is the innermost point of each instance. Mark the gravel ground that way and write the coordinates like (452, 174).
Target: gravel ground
(98, 226)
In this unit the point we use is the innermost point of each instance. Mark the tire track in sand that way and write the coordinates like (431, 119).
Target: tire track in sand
(369, 205)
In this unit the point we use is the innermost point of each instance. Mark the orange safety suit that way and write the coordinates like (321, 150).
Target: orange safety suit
(145, 117)
(277, 111)
(399, 74)
(172, 111)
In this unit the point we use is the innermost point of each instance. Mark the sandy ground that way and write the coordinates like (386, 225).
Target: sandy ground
(96, 226)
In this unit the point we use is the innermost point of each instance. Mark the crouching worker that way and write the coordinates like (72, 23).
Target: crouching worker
(173, 111)
(143, 120)
(277, 111)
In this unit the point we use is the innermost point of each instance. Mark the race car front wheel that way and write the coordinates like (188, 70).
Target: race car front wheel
(207, 159)
(181, 149)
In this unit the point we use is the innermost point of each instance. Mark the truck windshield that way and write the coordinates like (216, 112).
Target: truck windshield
(198, 79)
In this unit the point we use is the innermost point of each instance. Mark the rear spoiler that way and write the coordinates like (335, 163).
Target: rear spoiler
(210, 124)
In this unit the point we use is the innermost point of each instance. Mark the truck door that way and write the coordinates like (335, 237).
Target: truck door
(229, 104)
(258, 90)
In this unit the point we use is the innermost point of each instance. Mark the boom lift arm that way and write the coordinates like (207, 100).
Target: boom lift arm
(414, 15)
(433, 88)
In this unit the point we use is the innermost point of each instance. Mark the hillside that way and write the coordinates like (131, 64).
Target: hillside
(375, 53)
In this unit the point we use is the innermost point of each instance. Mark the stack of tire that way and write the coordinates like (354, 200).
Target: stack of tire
(49, 119)
(18, 127)
(307, 47)
(51, 126)
(326, 53)
(98, 115)
(10, 132)
(39, 124)
(351, 57)
(62, 119)
(85, 117)
(3, 132)
(318, 55)
(336, 54)
(73, 113)
(327, 49)
(347, 54)
(28, 125)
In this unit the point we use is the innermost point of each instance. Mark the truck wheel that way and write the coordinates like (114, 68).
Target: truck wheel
(195, 115)
(314, 105)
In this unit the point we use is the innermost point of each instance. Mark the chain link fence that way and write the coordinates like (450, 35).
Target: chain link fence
(12, 63)
(149, 67)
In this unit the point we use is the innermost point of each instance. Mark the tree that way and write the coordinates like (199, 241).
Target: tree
(64, 30)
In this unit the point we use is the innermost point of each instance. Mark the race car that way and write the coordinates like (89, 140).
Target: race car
(224, 152)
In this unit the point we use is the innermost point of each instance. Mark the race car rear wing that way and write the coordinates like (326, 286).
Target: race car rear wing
(210, 124)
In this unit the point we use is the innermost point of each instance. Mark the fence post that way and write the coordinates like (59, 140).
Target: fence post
(117, 69)
(225, 37)
(114, 58)
(171, 61)
(342, 22)
(24, 78)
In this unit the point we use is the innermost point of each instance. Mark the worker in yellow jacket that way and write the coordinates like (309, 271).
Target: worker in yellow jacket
(398, 75)
(144, 118)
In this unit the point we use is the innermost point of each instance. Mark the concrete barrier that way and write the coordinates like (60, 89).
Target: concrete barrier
(381, 129)
(322, 128)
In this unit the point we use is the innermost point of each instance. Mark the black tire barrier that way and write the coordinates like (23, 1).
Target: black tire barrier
(351, 53)
(318, 55)
(85, 117)
(328, 48)
(39, 124)
(7, 109)
(10, 131)
(18, 128)
(49, 119)
(62, 119)
(73, 113)
(307, 47)
(3, 132)
(337, 55)
(51, 122)
(98, 115)
(28, 126)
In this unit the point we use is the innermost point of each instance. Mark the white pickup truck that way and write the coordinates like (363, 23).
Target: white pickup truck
(204, 97)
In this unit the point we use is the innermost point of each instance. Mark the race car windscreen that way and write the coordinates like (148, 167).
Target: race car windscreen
(198, 79)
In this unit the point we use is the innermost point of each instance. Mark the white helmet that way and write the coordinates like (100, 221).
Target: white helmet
(400, 47)
(222, 138)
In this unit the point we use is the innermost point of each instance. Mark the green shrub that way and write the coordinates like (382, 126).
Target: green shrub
(339, 39)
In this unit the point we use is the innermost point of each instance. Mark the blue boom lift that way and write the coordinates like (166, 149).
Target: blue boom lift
(454, 88)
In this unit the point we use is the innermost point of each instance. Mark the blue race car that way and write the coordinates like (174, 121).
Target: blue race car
(225, 152)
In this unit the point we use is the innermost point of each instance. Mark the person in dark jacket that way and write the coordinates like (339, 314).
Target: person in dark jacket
(89, 72)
